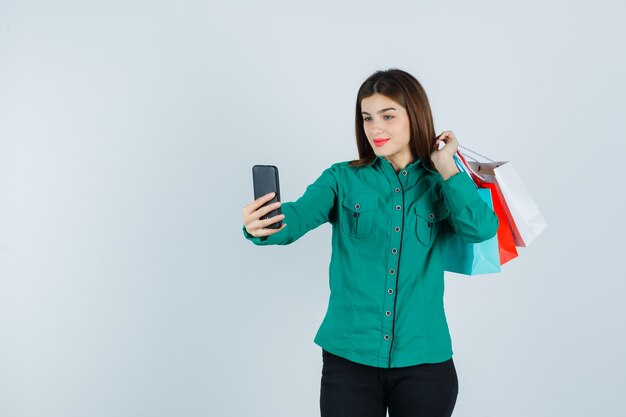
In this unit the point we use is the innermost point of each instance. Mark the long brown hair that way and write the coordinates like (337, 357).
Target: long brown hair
(404, 89)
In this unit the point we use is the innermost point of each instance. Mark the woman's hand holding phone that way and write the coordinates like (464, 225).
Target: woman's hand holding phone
(254, 210)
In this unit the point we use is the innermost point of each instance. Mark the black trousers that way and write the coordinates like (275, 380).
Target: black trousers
(351, 389)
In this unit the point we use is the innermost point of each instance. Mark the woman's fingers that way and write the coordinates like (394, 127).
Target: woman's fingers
(257, 214)
(255, 209)
(259, 223)
(266, 222)
(445, 137)
(255, 204)
(261, 231)
(264, 210)
(272, 231)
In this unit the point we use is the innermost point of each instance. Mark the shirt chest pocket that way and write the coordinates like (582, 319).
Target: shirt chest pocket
(427, 223)
(359, 212)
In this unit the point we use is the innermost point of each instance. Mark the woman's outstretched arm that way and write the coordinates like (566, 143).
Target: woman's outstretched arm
(312, 209)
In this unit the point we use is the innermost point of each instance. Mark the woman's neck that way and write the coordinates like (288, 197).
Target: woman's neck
(400, 162)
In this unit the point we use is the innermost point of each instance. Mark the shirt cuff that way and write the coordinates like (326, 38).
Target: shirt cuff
(459, 191)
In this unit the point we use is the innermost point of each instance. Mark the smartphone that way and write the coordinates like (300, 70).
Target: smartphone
(265, 180)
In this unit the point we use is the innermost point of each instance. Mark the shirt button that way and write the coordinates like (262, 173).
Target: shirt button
(391, 271)
(394, 250)
(398, 207)
(357, 206)
(390, 291)
(387, 313)
(397, 229)
(404, 173)
(386, 337)
(397, 190)
(431, 215)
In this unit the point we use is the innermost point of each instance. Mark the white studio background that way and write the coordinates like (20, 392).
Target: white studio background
(127, 135)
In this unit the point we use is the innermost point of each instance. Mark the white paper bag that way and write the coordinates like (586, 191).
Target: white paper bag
(524, 217)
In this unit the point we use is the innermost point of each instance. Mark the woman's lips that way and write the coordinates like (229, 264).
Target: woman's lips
(380, 142)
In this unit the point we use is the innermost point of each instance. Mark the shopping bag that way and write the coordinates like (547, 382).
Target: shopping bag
(506, 242)
(472, 258)
(524, 217)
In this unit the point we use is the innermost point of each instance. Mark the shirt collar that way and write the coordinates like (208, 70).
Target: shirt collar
(410, 167)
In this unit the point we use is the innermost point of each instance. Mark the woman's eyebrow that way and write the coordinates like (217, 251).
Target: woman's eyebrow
(379, 111)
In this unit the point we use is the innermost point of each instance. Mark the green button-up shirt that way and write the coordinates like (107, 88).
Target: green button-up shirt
(386, 269)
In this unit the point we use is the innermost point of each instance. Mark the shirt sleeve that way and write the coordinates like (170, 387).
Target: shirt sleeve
(468, 214)
(311, 210)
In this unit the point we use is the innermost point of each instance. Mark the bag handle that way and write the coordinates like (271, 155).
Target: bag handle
(475, 175)
(476, 153)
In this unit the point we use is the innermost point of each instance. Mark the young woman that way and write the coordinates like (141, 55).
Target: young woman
(385, 339)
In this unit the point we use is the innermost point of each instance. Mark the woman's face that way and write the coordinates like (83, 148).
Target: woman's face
(386, 126)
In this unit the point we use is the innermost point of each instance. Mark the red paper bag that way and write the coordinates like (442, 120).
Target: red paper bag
(506, 242)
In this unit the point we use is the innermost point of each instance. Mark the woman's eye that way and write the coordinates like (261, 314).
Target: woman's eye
(367, 118)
